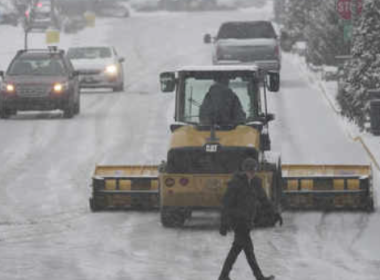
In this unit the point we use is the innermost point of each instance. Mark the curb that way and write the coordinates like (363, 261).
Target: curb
(337, 111)
(357, 138)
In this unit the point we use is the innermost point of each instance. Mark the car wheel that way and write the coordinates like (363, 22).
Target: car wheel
(77, 106)
(5, 113)
(69, 110)
(276, 82)
(118, 88)
(126, 13)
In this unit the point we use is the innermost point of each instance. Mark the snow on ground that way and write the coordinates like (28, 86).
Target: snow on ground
(47, 230)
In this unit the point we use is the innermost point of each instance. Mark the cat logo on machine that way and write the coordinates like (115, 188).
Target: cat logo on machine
(211, 148)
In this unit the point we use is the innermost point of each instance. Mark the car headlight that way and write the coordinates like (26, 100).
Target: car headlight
(111, 69)
(8, 87)
(59, 87)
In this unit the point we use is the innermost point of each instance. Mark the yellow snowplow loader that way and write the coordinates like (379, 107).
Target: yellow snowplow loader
(202, 158)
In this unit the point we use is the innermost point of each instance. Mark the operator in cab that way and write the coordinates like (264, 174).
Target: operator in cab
(221, 106)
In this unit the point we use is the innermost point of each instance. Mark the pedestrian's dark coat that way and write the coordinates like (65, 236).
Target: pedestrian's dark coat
(221, 106)
(242, 201)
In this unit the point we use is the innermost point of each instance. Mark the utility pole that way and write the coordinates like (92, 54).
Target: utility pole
(53, 15)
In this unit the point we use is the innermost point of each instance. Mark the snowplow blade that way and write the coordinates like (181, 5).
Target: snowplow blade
(327, 187)
(125, 187)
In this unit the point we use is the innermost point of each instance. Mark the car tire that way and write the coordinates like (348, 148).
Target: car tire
(5, 113)
(69, 110)
(118, 88)
(276, 82)
(77, 106)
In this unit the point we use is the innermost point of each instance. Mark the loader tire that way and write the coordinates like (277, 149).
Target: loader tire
(173, 217)
(94, 206)
(265, 216)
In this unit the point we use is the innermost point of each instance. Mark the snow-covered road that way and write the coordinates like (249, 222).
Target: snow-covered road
(47, 230)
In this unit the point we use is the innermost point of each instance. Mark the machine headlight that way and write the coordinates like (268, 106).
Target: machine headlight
(111, 69)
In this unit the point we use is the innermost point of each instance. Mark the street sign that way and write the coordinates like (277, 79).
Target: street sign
(52, 36)
(347, 32)
(359, 6)
(344, 9)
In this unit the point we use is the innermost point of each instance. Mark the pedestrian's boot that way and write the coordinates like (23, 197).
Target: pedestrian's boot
(221, 277)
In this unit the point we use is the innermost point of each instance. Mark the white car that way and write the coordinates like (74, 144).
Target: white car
(103, 65)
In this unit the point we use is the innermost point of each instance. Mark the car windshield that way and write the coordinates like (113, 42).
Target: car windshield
(197, 87)
(89, 53)
(246, 30)
(41, 66)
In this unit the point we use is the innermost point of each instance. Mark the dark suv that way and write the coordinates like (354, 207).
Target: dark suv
(39, 80)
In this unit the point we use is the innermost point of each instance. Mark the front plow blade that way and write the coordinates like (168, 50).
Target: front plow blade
(125, 187)
(327, 187)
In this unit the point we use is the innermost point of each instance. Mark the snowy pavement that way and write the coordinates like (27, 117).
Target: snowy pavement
(47, 230)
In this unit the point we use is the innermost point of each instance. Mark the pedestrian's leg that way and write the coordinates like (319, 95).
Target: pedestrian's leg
(251, 258)
(231, 258)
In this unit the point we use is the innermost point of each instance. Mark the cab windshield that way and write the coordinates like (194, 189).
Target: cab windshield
(197, 87)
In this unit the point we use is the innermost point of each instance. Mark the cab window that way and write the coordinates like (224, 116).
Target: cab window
(195, 90)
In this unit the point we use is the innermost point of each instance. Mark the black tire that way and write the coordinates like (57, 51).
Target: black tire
(265, 216)
(173, 217)
(5, 113)
(118, 88)
(77, 107)
(93, 206)
(69, 110)
(126, 14)
(276, 82)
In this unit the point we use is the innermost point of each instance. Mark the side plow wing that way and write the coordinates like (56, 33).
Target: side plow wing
(125, 187)
(327, 187)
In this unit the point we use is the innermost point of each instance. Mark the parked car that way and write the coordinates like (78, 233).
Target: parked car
(73, 23)
(8, 13)
(112, 8)
(247, 42)
(189, 5)
(145, 5)
(103, 61)
(39, 80)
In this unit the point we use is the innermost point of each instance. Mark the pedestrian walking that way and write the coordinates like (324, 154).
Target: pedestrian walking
(240, 202)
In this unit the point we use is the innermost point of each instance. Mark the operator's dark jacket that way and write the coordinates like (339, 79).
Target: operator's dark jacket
(221, 106)
(241, 202)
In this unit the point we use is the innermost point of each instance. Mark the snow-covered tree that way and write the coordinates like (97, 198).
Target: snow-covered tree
(296, 17)
(324, 34)
(363, 70)
(279, 10)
